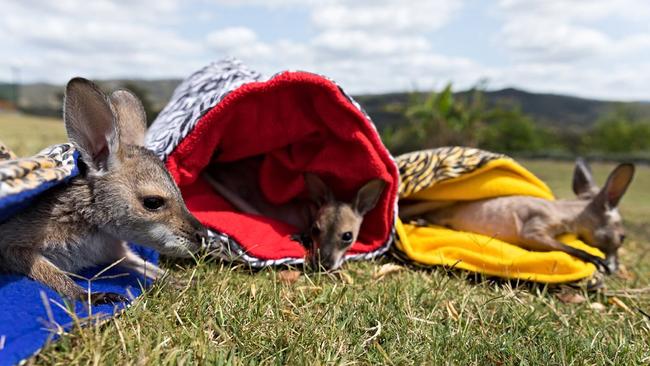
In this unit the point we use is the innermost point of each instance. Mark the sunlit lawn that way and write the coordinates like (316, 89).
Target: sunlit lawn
(26, 135)
(416, 316)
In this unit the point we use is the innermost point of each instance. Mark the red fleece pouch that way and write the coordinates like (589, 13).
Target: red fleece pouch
(299, 122)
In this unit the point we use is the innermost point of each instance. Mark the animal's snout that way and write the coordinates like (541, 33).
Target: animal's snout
(326, 263)
(198, 232)
(201, 236)
(612, 263)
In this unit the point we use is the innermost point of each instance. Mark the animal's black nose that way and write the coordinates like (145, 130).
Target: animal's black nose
(201, 236)
(325, 264)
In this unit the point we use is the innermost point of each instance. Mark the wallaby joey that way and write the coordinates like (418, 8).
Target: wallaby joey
(123, 193)
(332, 226)
(534, 223)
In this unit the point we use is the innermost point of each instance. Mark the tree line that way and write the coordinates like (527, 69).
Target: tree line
(442, 119)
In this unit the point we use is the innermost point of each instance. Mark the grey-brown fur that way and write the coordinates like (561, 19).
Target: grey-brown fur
(325, 220)
(534, 223)
(88, 221)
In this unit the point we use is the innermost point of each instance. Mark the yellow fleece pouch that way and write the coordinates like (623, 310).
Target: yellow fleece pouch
(461, 174)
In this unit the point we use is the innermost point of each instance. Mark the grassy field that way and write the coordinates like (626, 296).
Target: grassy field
(26, 135)
(228, 314)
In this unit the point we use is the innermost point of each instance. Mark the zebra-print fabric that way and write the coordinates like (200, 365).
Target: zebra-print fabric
(191, 100)
(421, 169)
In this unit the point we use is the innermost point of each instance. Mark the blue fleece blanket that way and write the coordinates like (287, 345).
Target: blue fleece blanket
(31, 314)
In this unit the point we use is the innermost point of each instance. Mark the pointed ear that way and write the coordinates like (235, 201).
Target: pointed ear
(368, 196)
(131, 117)
(583, 180)
(90, 123)
(616, 185)
(319, 192)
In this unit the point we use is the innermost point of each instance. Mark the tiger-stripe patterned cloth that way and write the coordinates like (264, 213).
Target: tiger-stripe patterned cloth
(22, 175)
(5, 153)
(422, 169)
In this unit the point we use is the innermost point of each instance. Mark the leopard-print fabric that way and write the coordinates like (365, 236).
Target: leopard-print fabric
(421, 169)
(5, 153)
(52, 164)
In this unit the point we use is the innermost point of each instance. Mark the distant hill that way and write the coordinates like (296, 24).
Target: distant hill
(46, 99)
(548, 109)
(6, 92)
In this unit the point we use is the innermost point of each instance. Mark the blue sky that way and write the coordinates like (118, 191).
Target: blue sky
(590, 48)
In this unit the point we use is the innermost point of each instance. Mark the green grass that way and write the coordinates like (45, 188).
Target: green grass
(234, 315)
(27, 135)
(228, 314)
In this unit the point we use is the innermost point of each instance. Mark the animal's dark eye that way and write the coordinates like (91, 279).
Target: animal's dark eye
(622, 238)
(153, 203)
(315, 231)
(347, 237)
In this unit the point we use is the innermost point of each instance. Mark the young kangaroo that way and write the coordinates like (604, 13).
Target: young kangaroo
(331, 226)
(123, 193)
(533, 223)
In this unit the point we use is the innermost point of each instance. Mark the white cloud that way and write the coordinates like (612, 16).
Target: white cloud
(54, 41)
(270, 3)
(550, 40)
(354, 42)
(358, 62)
(570, 31)
(590, 48)
(387, 16)
(229, 38)
(366, 46)
(581, 10)
(595, 48)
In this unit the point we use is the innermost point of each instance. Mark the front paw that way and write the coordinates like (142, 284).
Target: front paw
(102, 298)
(601, 266)
(303, 239)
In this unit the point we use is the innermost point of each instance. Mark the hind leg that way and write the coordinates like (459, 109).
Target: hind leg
(133, 262)
(544, 243)
(130, 260)
(31, 263)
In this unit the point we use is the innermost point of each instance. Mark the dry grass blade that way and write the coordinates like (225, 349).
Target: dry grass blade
(309, 288)
(451, 310)
(345, 276)
(421, 320)
(597, 306)
(628, 292)
(377, 329)
(289, 276)
(625, 274)
(386, 269)
(568, 297)
(616, 301)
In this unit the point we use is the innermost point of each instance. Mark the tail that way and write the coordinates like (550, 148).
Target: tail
(229, 195)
